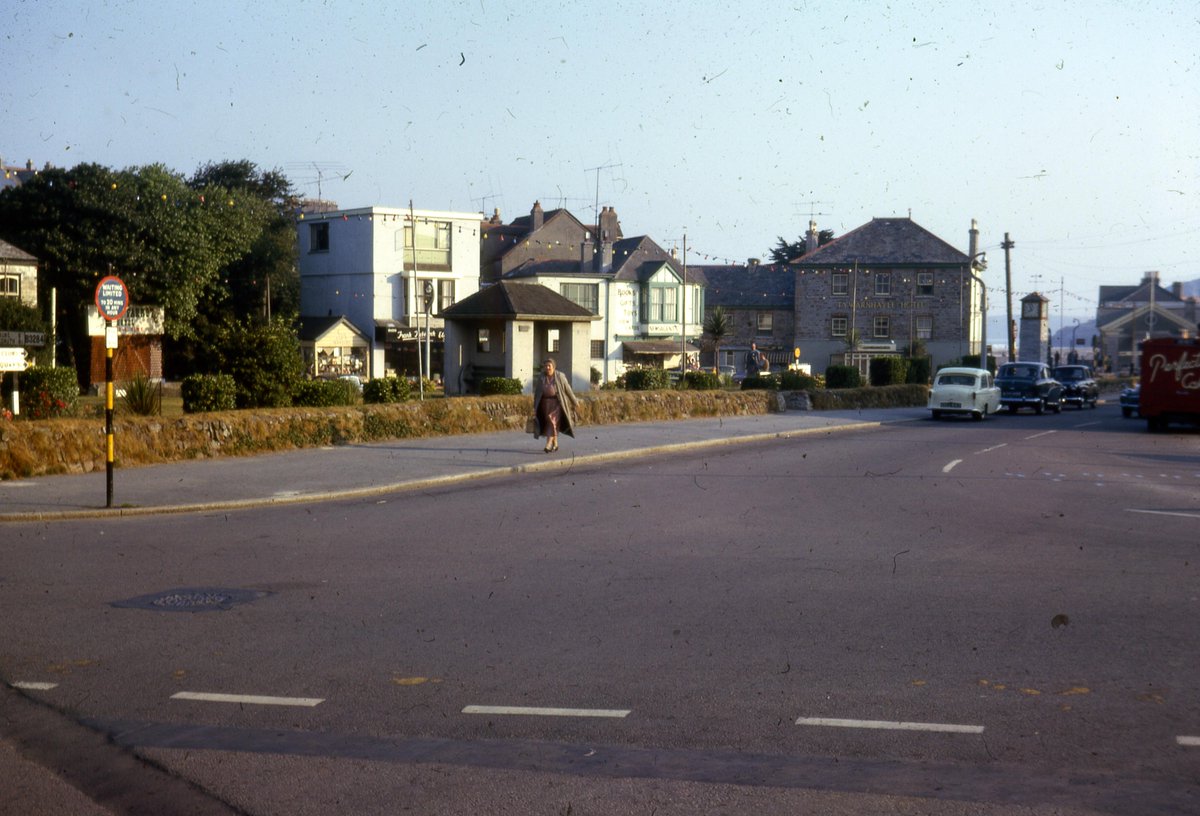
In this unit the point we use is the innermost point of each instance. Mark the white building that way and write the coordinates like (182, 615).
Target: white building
(390, 272)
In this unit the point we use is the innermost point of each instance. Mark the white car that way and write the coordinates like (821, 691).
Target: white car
(967, 391)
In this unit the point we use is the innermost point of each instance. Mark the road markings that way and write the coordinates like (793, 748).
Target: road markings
(950, 466)
(1043, 433)
(536, 711)
(1191, 742)
(1162, 513)
(992, 448)
(1086, 425)
(886, 725)
(250, 699)
(30, 685)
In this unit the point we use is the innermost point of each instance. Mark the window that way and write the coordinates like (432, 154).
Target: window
(439, 294)
(586, 295)
(445, 295)
(881, 326)
(433, 244)
(10, 285)
(661, 306)
(883, 284)
(765, 323)
(483, 342)
(924, 283)
(839, 327)
(924, 327)
(841, 283)
(597, 349)
(554, 341)
(318, 237)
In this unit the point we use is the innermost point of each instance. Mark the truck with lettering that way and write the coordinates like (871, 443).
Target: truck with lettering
(1170, 382)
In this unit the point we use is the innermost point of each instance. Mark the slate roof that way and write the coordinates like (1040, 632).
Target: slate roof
(510, 300)
(755, 287)
(1136, 294)
(884, 242)
(11, 253)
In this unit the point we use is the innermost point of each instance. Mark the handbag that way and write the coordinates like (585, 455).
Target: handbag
(532, 426)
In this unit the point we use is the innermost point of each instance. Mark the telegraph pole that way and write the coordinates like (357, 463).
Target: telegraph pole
(1012, 327)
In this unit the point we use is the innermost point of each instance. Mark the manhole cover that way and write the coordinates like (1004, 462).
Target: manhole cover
(192, 599)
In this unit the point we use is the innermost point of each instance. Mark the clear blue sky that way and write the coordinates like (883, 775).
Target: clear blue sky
(1074, 126)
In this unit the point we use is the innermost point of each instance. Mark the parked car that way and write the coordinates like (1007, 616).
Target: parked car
(1029, 385)
(1079, 388)
(963, 391)
(1129, 400)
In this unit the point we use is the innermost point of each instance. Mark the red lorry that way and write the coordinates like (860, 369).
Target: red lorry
(1170, 382)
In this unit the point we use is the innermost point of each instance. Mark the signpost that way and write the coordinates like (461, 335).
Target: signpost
(13, 359)
(112, 299)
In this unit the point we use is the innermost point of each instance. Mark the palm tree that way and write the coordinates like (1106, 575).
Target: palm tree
(717, 328)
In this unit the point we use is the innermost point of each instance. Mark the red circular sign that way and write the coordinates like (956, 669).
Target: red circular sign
(112, 298)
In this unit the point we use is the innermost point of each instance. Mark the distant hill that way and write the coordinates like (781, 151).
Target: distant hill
(1192, 288)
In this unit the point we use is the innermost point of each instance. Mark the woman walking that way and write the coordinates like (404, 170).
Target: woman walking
(554, 404)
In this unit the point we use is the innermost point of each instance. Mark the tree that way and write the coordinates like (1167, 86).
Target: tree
(263, 359)
(15, 316)
(717, 328)
(785, 251)
(166, 239)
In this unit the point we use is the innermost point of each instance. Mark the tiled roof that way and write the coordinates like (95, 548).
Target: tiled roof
(512, 300)
(756, 287)
(885, 241)
(11, 253)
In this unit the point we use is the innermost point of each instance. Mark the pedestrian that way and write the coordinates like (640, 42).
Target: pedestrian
(755, 361)
(554, 404)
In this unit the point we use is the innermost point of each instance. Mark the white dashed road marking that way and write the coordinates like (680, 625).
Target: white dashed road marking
(30, 685)
(950, 466)
(251, 699)
(992, 448)
(1163, 513)
(1043, 433)
(886, 725)
(535, 711)
(1192, 742)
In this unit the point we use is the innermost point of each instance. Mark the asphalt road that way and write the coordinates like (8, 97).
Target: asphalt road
(935, 617)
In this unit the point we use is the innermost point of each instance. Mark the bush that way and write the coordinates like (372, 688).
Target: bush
(842, 376)
(49, 392)
(208, 392)
(596, 376)
(264, 360)
(762, 382)
(324, 393)
(499, 385)
(920, 370)
(143, 396)
(702, 380)
(888, 370)
(386, 390)
(798, 381)
(646, 379)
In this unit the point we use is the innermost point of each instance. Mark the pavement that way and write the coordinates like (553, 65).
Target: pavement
(362, 470)
(322, 474)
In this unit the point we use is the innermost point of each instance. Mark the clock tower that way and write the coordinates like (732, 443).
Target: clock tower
(1034, 343)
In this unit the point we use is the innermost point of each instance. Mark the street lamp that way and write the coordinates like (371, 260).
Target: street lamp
(1074, 329)
(981, 266)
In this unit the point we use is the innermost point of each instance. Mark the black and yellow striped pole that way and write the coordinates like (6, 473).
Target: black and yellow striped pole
(108, 414)
(112, 299)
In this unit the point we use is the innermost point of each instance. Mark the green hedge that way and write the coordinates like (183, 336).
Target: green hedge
(324, 393)
(799, 381)
(49, 392)
(489, 386)
(208, 392)
(702, 380)
(888, 370)
(386, 390)
(646, 379)
(920, 371)
(842, 376)
(760, 382)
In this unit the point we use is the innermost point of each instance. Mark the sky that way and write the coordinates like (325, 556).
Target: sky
(1074, 127)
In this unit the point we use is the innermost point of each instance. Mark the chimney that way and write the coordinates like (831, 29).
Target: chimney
(495, 216)
(608, 230)
(1177, 290)
(1150, 277)
(536, 216)
(587, 252)
(810, 237)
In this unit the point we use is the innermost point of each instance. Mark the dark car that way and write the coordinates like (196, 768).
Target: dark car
(1079, 388)
(1029, 385)
(1130, 397)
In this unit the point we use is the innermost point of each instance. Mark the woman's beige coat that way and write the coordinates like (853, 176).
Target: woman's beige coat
(567, 402)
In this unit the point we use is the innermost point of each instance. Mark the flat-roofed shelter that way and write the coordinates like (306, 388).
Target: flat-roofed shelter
(508, 329)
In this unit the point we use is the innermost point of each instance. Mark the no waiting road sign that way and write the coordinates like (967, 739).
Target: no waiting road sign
(112, 298)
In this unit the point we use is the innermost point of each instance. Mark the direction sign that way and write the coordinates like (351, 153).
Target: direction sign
(12, 359)
(112, 298)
